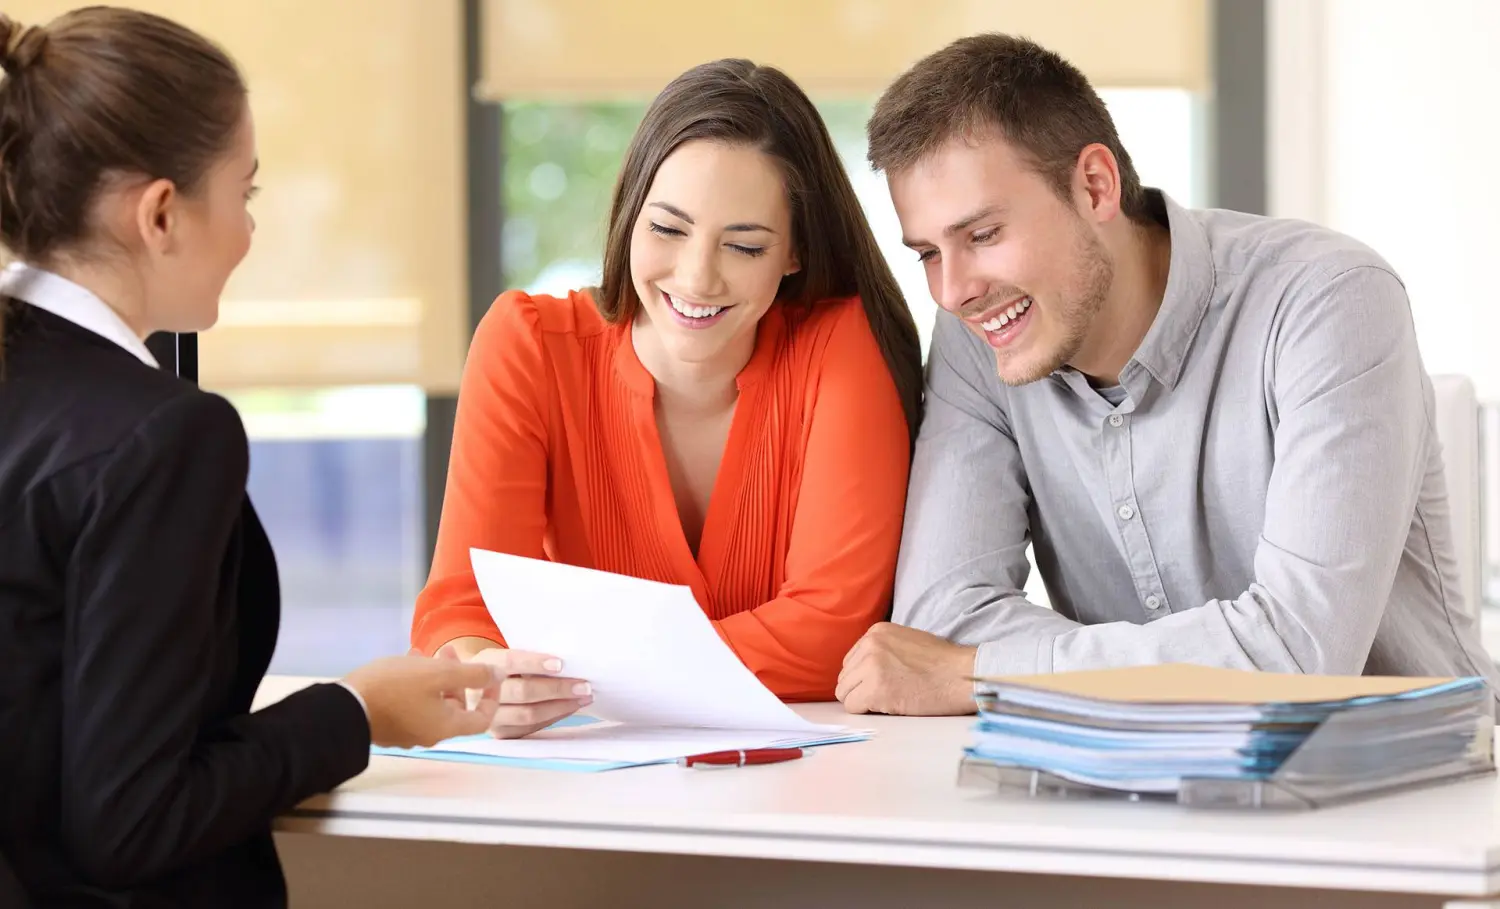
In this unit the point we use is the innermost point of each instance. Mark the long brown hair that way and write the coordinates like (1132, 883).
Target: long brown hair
(97, 92)
(737, 102)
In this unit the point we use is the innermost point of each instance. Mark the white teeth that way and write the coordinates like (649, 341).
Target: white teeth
(693, 312)
(1005, 317)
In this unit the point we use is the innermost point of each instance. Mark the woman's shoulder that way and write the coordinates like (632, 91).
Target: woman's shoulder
(527, 338)
(828, 330)
(834, 315)
(830, 349)
(123, 433)
(71, 398)
(523, 313)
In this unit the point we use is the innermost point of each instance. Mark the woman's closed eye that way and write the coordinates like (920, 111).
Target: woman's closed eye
(663, 230)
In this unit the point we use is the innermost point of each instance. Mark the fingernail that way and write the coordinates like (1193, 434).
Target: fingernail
(553, 665)
(584, 702)
(583, 689)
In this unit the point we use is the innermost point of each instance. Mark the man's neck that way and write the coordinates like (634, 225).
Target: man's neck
(1142, 256)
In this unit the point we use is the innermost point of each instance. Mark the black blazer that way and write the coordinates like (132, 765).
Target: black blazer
(11, 894)
(138, 612)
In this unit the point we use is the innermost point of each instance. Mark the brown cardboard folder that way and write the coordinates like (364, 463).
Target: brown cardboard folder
(1184, 683)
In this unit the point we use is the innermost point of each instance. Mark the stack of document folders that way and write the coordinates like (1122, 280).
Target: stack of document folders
(1227, 738)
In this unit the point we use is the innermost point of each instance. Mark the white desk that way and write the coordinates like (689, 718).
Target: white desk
(872, 824)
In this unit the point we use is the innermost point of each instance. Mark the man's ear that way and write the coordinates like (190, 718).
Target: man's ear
(1098, 177)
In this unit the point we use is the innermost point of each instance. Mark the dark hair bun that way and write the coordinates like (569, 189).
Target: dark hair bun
(20, 45)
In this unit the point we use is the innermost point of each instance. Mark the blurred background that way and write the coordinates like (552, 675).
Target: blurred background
(420, 156)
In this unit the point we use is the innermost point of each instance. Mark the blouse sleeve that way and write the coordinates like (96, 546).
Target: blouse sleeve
(495, 497)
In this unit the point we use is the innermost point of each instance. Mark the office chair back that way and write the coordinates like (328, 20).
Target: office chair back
(1458, 433)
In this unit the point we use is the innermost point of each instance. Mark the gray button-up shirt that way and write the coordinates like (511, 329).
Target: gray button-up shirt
(1267, 493)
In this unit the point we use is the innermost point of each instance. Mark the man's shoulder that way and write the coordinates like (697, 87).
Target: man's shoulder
(961, 368)
(1306, 299)
(1287, 251)
(959, 350)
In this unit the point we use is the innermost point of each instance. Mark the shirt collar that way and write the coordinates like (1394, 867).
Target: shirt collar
(1190, 286)
(70, 301)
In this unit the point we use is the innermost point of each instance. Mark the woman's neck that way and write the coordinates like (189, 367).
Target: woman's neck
(691, 388)
(120, 292)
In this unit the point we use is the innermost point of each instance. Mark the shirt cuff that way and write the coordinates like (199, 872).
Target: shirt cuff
(358, 697)
(1014, 655)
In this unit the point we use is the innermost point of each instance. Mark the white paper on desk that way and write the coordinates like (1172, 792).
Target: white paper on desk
(651, 655)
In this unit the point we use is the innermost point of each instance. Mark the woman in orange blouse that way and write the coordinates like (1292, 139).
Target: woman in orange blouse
(731, 410)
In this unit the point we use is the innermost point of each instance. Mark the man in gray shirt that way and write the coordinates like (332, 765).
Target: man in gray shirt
(1214, 429)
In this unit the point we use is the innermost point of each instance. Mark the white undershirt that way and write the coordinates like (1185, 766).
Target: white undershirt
(70, 301)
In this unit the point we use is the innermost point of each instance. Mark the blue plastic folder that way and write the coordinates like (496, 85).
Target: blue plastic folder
(1186, 730)
(436, 753)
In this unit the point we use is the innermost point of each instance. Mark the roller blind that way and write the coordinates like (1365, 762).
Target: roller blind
(560, 49)
(357, 274)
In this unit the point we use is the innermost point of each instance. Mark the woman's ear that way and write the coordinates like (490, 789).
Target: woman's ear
(157, 214)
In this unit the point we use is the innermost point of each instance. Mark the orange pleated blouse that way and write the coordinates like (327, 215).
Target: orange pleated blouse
(556, 455)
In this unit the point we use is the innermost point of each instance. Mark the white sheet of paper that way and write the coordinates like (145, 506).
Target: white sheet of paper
(651, 655)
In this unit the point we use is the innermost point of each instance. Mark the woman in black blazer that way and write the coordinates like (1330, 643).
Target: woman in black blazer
(138, 591)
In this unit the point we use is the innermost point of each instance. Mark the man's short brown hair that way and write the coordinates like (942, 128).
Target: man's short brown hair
(1039, 102)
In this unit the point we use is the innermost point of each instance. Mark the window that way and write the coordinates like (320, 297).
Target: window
(336, 477)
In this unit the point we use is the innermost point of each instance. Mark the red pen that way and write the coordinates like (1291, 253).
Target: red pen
(742, 758)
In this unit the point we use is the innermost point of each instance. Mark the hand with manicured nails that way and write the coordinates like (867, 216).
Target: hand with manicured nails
(532, 695)
(416, 701)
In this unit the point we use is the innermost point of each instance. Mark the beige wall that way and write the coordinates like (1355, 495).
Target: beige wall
(588, 48)
(358, 273)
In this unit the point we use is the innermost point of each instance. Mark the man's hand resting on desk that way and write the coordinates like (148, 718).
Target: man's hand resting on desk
(904, 672)
(532, 695)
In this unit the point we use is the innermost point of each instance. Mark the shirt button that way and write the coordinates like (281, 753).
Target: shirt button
(1115, 419)
(1125, 512)
(1153, 602)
